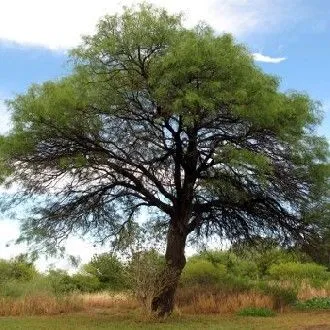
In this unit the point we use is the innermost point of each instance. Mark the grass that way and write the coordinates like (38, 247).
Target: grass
(203, 309)
(121, 311)
(254, 311)
(314, 303)
(46, 304)
(39, 305)
(194, 302)
(130, 320)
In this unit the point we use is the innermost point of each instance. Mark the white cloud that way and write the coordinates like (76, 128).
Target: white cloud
(326, 106)
(10, 231)
(4, 117)
(267, 59)
(60, 24)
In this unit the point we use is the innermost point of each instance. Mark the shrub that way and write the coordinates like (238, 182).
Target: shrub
(297, 271)
(256, 311)
(202, 272)
(143, 276)
(108, 270)
(235, 265)
(235, 284)
(86, 283)
(265, 259)
(17, 269)
(314, 303)
(61, 281)
(14, 288)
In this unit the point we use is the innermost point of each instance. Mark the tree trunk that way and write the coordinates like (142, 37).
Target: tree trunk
(163, 302)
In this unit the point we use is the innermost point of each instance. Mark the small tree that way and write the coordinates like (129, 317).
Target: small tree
(108, 270)
(177, 121)
(19, 268)
(144, 276)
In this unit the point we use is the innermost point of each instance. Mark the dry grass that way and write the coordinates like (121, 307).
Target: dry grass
(121, 300)
(52, 305)
(306, 291)
(39, 305)
(212, 301)
(194, 301)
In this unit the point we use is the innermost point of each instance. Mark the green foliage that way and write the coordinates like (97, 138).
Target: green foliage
(265, 253)
(108, 270)
(18, 268)
(256, 311)
(223, 270)
(274, 256)
(86, 283)
(61, 281)
(36, 286)
(314, 303)
(295, 271)
(143, 69)
(202, 272)
(179, 121)
(235, 265)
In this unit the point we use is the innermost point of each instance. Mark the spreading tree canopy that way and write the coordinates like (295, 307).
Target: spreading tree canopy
(179, 121)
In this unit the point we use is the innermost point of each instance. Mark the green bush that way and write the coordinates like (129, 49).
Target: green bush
(16, 269)
(314, 303)
(61, 282)
(199, 271)
(235, 284)
(266, 258)
(295, 271)
(15, 288)
(108, 270)
(235, 266)
(256, 311)
(86, 283)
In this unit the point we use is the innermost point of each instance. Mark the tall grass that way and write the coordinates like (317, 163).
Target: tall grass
(208, 301)
(189, 300)
(121, 300)
(39, 285)
(46, 304)
(308, 291)
(39, 305)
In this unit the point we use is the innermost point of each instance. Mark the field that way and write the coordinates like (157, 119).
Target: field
(217, 291)
(103, 319)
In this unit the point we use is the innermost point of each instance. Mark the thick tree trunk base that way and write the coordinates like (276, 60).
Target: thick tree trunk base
(162, 303)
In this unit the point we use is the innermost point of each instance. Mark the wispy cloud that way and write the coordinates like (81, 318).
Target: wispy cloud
(60, 24)
(326, 106)
(5, 117)
(267, 59)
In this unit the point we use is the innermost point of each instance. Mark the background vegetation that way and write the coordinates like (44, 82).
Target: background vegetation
(212, 282)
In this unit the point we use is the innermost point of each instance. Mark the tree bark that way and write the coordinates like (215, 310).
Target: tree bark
(163, 302)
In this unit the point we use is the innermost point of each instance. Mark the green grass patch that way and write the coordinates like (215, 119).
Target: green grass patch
(256, 311)
(314, 303)
(131, 321)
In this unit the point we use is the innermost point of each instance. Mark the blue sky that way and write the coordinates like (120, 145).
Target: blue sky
(290, 39)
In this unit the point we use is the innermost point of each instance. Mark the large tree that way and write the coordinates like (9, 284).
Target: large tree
(178, 121)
